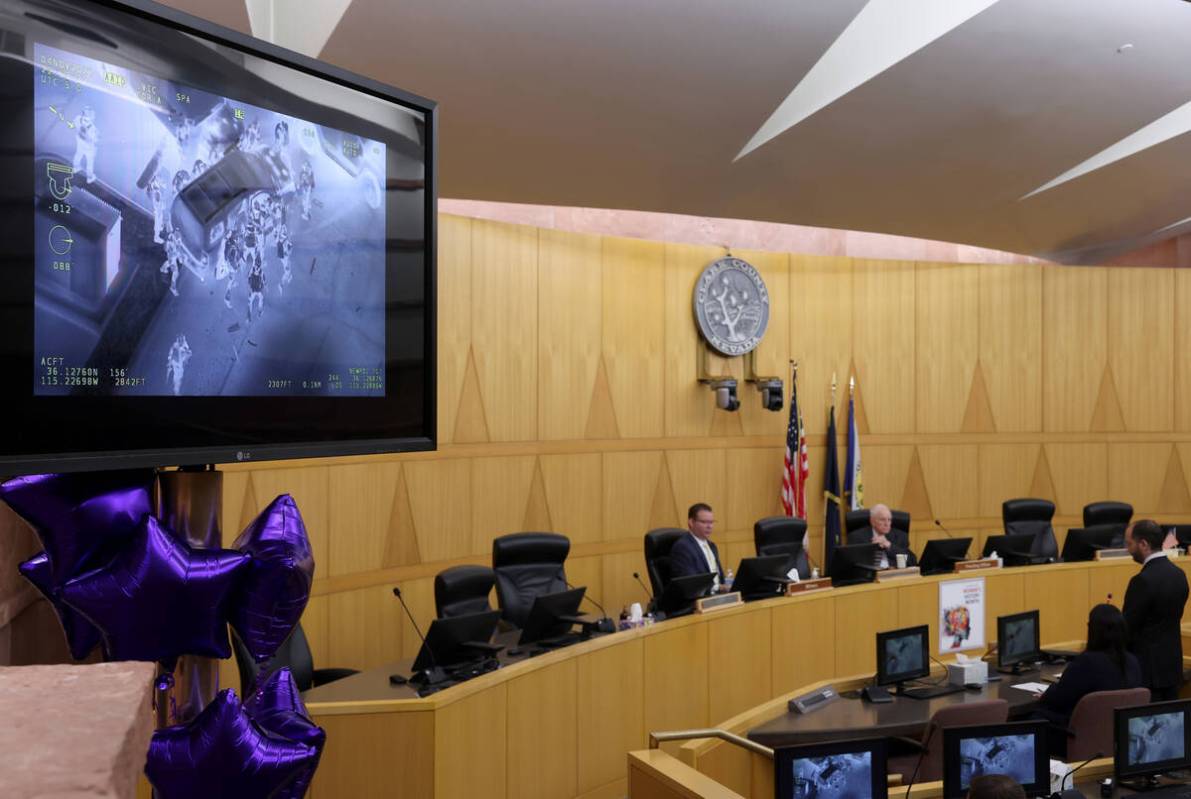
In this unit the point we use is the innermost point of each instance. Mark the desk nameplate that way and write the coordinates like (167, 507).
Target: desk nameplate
(1112, 554)
(977, 565)
(718, 602)
(805, 586)
(898, 574)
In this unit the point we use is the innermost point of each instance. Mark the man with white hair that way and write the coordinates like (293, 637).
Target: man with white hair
(880, 531)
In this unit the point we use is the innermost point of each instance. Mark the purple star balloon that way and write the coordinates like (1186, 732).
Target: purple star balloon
(277, 707)
(81, 635)
(158, 598)
(278, 583)
(223, 753)
(78, 516)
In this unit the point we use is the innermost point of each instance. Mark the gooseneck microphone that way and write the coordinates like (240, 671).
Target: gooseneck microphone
(430, 676)
(1071, 774)
(605, 624)
(939, 524)
(648, 593)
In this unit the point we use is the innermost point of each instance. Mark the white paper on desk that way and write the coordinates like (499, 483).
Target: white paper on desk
(1032, 687)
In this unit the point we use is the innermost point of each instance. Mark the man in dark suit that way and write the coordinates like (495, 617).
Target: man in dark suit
(695, 553)
(880, 532)
(1153, 610)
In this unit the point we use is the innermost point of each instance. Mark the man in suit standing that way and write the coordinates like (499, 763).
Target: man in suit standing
(1153, 610)
(880, 532)
(695, 553)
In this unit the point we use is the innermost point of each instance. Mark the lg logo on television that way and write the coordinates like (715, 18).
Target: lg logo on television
(243, 456)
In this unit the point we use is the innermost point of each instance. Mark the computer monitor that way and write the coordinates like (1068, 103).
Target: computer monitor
(794, 552)
(1084, 542)
(1151, 739)
(1013, 548)
(941, 555)
(1018, 640)
(855, 769)
(854, 564)
(903, 655)
(679, 595)
(761, 577)
(1016, 749)
(552, 615)
(458, 640)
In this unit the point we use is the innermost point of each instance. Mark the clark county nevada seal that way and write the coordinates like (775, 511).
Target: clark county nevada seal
(731, 306)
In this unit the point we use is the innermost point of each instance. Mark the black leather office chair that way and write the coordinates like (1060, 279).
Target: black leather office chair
(1032, 516)
(527, 565)
(856, 519)
(294, 654)
(658, 544)
(783, 535)
(1109, 514)
(461, 590)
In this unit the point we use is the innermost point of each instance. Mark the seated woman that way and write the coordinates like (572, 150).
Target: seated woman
(1104, 665)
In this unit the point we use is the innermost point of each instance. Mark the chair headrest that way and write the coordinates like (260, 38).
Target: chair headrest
(518, 549)
(855, 519)
(901, 520)
(778, 530)
(1107, 513)
(1027, 510)
(660, 541)
(458, 581)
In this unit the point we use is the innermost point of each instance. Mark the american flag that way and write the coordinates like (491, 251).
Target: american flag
(797, 465)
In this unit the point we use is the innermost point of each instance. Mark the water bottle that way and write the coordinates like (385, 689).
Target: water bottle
(728, 578)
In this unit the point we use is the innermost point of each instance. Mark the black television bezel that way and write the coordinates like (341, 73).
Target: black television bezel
(447, 640)
(937, 547)
(849, 556)
(1002, 659)
(1120, 739)
(883, 638)
(952, 736)
(1081, 541)
(247, 451)
(784, 757)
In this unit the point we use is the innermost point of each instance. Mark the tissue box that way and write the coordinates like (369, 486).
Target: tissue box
(966, 672)
(1058, 776)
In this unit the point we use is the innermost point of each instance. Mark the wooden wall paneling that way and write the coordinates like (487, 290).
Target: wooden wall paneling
(1135, 475)
(505, 327)
(366, 627)
(1141, 345)
(1182, 345)
(699, 476)
(816, 456)
(575, 495)
(316, 625)
(611, 720)
(381, 754)
(773, 353)
(883, 326)
(1074, 345)
(947, 312)
(676, 700)
(634, 331)
(1080, 474)
(1176, 494)
(454, 317)
(440, 501)
(919, 604)
(690, 406)
(951, 472)
(1062, 596)
(589, 573)
(570, 320)
(500, 493)
(800, 630)
(1005, 471)
(542, 733)
(820, 331)
(1011, 344)
(754, 485)
(309, 486)
(361, 510)
(886, 468)
(630, 482)
(739, 655)
(472, 743)
(1004, 594)
(859, 617)
(1110, 581)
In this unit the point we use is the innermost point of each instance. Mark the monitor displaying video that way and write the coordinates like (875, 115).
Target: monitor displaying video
(1017, 638)
(853, 769)
(1152, 739)
(1017, 750)
(903, 655)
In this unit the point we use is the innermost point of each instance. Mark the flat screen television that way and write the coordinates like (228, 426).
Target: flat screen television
(1017, 749)
(214, 250)
(1150, 740)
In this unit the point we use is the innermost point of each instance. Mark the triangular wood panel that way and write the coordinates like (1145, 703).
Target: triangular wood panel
(915, 497)
(978, 416)
(663, 511)
(1107, 417)
(401, 539)
(249, 509)
(601, 418)
(842, 408)
(1175, 498)
(537, 509)
(471, 423)
(727, 423)
(1043, 485)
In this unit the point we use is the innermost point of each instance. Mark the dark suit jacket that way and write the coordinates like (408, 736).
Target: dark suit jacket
(898, 539)
(1153, 610)
(1091, 671)
(686, 558)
